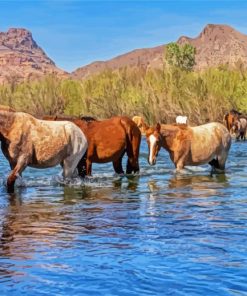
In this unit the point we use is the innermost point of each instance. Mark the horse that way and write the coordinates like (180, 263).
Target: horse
(229, 118)
(239, 128)
(208, 143)
(108, 140)
(139, 121)
(181, 119)
(28, 141)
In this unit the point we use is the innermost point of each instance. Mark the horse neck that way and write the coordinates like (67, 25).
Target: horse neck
(167, 142)
(6, 122)
(168, 136)
(82, 124)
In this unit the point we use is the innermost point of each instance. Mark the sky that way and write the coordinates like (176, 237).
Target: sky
(74, 33)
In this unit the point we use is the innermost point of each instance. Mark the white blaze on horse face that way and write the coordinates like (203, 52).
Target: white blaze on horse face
(152, 141)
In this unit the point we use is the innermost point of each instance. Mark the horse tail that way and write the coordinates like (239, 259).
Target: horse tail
(133, 141)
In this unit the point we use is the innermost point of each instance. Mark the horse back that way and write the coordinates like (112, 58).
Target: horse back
(209, 139)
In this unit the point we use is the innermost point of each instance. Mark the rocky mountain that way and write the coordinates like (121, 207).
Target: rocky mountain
(21, 57)
(147, 57)
(215, 45)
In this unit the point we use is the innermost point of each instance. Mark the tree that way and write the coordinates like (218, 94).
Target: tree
(182, 56)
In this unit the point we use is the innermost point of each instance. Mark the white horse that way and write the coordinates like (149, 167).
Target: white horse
(27, 141)
(181, 119)
(239, 128)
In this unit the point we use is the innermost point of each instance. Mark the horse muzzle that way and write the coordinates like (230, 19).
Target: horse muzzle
(153, 162)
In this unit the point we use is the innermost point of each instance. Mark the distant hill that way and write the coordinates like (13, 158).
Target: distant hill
(21, 57)
(147, 57)
(215, 45)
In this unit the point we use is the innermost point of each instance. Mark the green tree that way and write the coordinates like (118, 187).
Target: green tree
(182, 56)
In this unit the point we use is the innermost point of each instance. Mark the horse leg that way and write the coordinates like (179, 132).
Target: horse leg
(81, 167)
(18, 169)
(88, 167)
(180, 159)
(179, 165)
(214, 163)
(133, 156)
(69, 165)
(117, 164)
(222, 161)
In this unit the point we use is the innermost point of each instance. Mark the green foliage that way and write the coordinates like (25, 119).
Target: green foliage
(157, 95)
(181, 56)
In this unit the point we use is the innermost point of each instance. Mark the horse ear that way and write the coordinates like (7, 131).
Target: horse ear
(158, 127)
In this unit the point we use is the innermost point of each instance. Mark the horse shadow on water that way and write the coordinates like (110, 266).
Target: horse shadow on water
(182, 185)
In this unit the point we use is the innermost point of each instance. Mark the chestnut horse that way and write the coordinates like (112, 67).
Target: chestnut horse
(27, 141)
(229, 119)
(108, 140)
(208, 143)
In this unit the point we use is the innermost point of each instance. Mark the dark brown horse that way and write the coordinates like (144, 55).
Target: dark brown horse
(108, 141)
(229, 119)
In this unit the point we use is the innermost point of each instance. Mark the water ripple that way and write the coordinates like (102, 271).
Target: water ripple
(159, 233)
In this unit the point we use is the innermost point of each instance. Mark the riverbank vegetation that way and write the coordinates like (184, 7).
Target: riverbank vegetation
(157, 95)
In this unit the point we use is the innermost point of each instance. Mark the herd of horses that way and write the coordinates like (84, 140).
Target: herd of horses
(76, 143)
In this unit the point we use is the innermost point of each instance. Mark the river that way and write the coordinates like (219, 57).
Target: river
(159, 233)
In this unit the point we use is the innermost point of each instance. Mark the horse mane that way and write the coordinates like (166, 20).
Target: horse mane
(235, 112)
(69, 118)
(87, 118)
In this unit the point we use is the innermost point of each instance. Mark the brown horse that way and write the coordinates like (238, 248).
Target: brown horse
(229, 119)
(208, 143)
(108, 140)
(239, 128)
(27, 141)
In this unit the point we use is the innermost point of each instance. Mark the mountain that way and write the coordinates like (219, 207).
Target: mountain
(215, 45)
(21, 57)
(147, 57)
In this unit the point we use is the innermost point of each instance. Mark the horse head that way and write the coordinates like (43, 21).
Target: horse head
(154, 141)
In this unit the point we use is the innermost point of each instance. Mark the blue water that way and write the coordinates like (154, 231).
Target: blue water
(161, 233)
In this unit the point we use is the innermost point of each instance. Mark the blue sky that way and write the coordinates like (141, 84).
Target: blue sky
(74, 33)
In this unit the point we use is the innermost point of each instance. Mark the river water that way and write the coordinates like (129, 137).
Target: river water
(161, 233)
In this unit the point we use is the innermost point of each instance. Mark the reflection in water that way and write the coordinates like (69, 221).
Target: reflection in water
(127, 182)
(197, 182)
(27, 223)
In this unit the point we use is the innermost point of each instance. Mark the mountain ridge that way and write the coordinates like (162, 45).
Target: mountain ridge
(216, 45)
(22, 58)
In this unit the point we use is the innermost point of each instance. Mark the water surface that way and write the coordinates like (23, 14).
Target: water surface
(161, 233)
